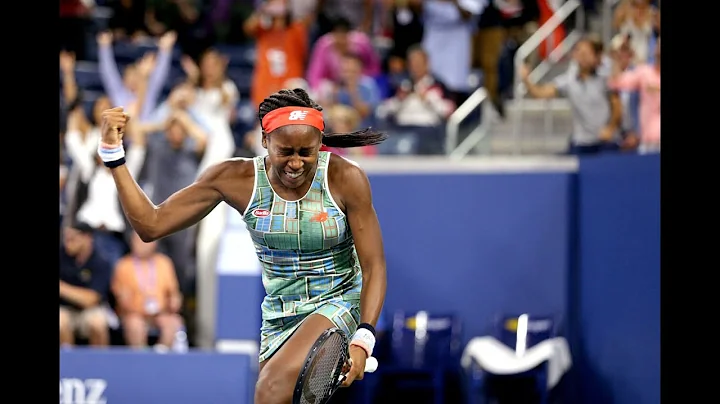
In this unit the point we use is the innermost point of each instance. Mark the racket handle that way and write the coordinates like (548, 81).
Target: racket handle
(371, 365)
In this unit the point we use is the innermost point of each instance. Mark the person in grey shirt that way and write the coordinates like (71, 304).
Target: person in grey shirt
(173, 158)
(597, 110)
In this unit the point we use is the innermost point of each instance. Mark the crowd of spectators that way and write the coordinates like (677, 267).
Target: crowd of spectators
(192, 74)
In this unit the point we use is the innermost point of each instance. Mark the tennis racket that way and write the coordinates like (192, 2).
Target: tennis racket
(322, 374)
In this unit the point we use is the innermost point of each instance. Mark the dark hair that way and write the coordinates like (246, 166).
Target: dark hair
(595, 43)
(416, 47)
(300, 98)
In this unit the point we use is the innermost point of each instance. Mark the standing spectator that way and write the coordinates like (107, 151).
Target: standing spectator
(74, 21)
(447, 37)
(646, 79)
(281, 48)
(188, 18)
(597, 111)
(122, 90)
(128, 19)
(407, 30)
(635, 18)
(623, 55)
(84, 284)
(172, 164)
(358, 14)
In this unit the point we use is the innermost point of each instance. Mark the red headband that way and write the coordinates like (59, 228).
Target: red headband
(293, 116)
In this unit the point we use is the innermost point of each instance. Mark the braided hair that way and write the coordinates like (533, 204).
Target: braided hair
(300, 98)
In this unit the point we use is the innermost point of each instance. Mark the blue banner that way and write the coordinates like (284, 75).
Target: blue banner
(123, 376)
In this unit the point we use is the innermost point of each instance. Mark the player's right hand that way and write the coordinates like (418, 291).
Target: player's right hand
(113, 125)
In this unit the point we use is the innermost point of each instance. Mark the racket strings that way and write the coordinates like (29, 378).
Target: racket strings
(325, 371)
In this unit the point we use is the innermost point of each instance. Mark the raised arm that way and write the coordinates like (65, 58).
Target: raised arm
(183, 209)
(159, 75)
(109, 72)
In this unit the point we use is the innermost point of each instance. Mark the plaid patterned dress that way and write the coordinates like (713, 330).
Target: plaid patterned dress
(308, 258)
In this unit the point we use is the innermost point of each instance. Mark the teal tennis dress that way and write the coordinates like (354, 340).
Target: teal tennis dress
(308, 257)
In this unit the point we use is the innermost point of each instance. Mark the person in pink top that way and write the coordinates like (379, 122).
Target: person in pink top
(646, 79)
(329, 49)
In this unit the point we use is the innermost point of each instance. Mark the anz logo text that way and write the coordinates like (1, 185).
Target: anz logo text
(82, 391)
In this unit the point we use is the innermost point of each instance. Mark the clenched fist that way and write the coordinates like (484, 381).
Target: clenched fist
(113, 125)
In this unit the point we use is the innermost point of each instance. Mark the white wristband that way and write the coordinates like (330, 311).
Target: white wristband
(108, 155)
(364, 339)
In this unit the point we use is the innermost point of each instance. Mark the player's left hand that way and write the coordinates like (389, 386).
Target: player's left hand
(357, 365)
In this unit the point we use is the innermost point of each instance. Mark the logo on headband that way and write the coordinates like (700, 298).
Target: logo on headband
(297, 116)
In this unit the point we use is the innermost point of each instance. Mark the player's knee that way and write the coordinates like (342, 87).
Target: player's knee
(275, 385)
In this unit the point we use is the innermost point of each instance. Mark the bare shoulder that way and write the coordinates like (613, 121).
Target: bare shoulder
(341, 169)
(236, 171)
(233, 178)
(347, 179)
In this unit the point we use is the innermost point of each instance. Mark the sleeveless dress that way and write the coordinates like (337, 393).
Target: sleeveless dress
(308, 258)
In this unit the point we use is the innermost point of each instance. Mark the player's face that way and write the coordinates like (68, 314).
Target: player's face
(293, 153)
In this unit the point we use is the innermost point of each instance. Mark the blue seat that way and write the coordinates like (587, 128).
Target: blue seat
(242, 77)
(238, 56)
(424, 347)
(520, 333)
(87, 76)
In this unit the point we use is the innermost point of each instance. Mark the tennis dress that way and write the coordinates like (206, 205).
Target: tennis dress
(308, 258)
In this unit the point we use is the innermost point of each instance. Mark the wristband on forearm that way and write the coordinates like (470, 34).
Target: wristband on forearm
(364, 338)
(111, 155)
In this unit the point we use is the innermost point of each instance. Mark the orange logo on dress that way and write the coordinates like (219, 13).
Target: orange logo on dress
(320, 217)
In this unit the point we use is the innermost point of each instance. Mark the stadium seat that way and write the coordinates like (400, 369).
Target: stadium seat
(87, 76)
(424, 347)
(507, 363)
(242, 76)
(238, 56)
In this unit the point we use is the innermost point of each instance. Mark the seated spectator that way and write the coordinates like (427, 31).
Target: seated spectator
(84, 284)
(346, 119)
(419, 109)
(327, 54)
(147, 294)
(354, 89)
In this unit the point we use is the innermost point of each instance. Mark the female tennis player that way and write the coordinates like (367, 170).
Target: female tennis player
(310, 215)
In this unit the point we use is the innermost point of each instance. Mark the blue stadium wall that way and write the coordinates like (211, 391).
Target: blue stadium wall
(579, 240)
